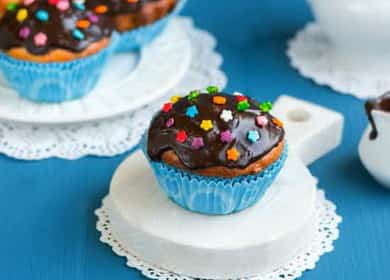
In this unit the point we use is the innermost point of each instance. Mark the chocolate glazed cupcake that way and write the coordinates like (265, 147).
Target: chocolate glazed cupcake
(138, 21)
(53, 50)
(215, 153)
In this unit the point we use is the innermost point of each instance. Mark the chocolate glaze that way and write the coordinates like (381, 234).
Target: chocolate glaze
(116, 7)
(58, 29)
(382, 103)
(161, 138)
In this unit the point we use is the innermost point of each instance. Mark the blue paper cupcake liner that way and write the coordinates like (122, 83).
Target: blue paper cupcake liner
(214, 195)
(55, 82)
(137, 38)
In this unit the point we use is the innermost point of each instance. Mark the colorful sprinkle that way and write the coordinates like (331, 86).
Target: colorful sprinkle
(22, 15)
(77, 34)
(219, 100)
(181, 136)
(63, 5)
(12, 6)
(212, 89)
(53, 2)
(261, 121)
(79, 6)
(40, 39)
(226, 115)
(240, 98)
(42, 15)
(266, 106)
(192, 111)
(170, 122)
(174, 99)
(28, 2)
(93, 18)
(132, 1)
(253, 136)
(101, 9)
(167, 107)
(24, 32)
(206, 125)
(197, 143)
(226, 136)
(232, 154)
(193, 95)
(83, 23)
(243, 105)
(277, 122)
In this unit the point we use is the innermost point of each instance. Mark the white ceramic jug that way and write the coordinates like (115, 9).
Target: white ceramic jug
(374, 148)
(355, 27)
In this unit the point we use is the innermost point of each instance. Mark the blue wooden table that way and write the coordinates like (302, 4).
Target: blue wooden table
(47, 225)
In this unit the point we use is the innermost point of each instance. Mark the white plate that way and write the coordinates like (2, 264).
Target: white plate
(128, 82)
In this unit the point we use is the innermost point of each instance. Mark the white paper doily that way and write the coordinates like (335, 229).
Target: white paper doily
(312, 54)
(327, 233)
(111, 137)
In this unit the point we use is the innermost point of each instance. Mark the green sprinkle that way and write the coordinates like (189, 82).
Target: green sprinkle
(193, 95)
(243, 105)
(212, 89)
(12, 6)
(266, 106)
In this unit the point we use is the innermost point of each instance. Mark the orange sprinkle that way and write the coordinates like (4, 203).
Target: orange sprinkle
(232, 154)
(277, 122)
(83, 23)
(219, 100)
(132, 1)
(101, 9)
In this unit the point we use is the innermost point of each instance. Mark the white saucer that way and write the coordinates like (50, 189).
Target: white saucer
(313, 55)
(255, 241)
(128, 82)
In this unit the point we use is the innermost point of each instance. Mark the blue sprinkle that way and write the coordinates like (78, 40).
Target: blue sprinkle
(42, 15)
(253, 136)
(192, 111)
(79, 6)
(77, 34)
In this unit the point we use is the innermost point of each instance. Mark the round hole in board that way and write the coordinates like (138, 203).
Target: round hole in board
(298, 115)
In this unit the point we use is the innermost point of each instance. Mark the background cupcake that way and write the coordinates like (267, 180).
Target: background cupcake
(53, 50)
(138, 21)
(215, 153)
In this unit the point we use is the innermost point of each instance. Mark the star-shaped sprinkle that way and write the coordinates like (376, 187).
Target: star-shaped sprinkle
(232, 154)
(226, 115)
(253, 136)
(170, 122)
(42, 15)
(63, 5)
(226, 136)
(11, 6)
(219, 100)
(167, 107)
(206, 125)
(240, 98)
(193, 95)
(21, 15)
(197, 143)
(243, 105)
(181, 136)
(261, 121)
(175, 98)
(40, 39)
(277, 122)
(192, 111)
(265, 106)
(212, 89)
(28, 2)
(24, 32)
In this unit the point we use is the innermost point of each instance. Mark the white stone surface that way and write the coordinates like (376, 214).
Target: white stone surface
(312, 131)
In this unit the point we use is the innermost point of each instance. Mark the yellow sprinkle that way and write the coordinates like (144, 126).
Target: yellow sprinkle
(22, 15)
(206, 125)
(175, 98)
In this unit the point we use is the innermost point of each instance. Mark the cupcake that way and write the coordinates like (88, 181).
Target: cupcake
(53, 50)
(215, 153)
(138, 21)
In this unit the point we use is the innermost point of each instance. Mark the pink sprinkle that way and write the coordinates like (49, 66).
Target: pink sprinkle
(170, 122)
(40, 39)
(261, 121)
(226, 136)
(28, 2)
(197, 143)
(63, 5)
(93, 18)
(24, 32)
